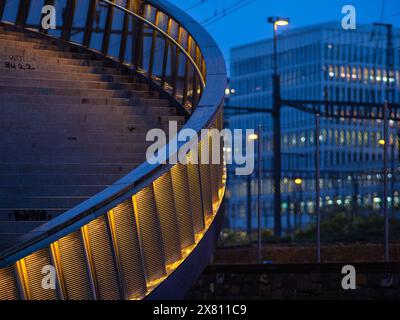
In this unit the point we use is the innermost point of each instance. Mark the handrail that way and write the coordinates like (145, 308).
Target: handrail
(203, 82)
(207, 113)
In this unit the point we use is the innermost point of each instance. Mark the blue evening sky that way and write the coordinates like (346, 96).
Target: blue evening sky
(249, 24)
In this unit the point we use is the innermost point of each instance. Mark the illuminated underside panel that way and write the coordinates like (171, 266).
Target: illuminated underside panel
(183, 210)
(73, 270)
(102, 259)
(150, 234)
(36, 285)
(8, 284)
(128, 250)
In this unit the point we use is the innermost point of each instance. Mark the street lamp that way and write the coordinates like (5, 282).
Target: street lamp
(277, 22)
(298, 181)
(276, 114)
(258, 136)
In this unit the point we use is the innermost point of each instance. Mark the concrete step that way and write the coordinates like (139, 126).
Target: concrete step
(20, 149)
(129, 115)
(71, 84)
(75, 92)
(37, 62)
(19, 215)
(54, 99)
(69, 76)
(46, 52)
(18, 227)
(40, 133)
(57, 179)
(74, 133)
(126, 158)
(29, 41)
(76, 168)
(51, 191)
(48, 67)
(132, 110)
(37, 203)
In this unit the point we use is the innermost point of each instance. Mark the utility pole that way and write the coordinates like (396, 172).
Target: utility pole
(259, 191)
(276, 115)
(248, 209)
(385, 180)
(317, 186)
(277, 161)
(388, 99)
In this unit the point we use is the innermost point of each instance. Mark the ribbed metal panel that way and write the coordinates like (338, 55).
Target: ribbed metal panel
(214, 182)
(219, 125)
(168, 218)
(196, 205)
(129, 253)
(181, 196)
(8, 284)
(101, 254)
(213, 174)
(75, 275)
(206, 185)
(150, 234)
(34, 276)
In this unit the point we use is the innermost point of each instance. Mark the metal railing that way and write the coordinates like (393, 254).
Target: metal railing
(157, 224)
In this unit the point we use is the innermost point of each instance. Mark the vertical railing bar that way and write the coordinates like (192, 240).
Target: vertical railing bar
(165, 56)
(137, 48)
(107, 29)
(186, 76)
(88, 262)
(115, 252)
(2, 6)
(175, 70)
(22, 14)
(70, 11)
(153, 46)
(89, 23)
(124, 36)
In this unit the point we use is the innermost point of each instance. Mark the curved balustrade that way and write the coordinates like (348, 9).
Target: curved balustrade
(153, 229)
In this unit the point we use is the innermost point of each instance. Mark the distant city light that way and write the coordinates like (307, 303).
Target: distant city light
(298, 181)
(331, 74)
(382, 142)
(282, 22)
(253, 137)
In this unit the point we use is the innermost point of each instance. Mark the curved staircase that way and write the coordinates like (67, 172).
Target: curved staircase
(75, 107)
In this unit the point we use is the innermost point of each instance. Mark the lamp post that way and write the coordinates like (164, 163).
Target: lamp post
(277, 22)
(258, 137)
(299, 186)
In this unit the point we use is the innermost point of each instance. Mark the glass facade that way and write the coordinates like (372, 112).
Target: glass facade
(316, 63)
